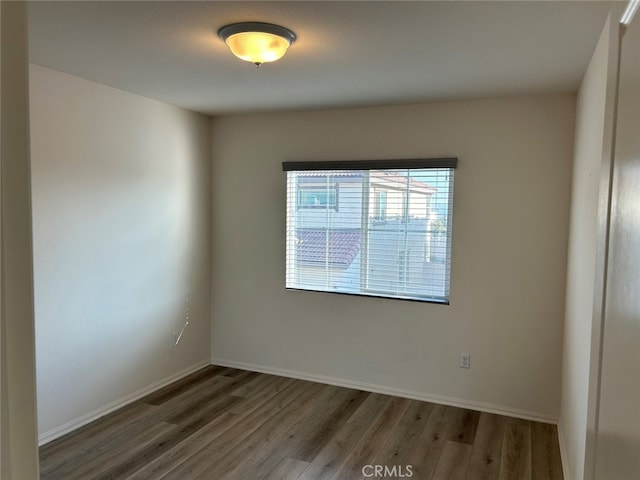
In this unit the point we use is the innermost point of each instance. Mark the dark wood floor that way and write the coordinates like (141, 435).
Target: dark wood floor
(222, 423)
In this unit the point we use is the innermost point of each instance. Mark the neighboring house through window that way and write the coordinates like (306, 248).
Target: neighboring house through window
(380, 205)
(318, 196)
(390, 236)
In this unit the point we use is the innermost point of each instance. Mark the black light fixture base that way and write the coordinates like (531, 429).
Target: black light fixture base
(242, 27)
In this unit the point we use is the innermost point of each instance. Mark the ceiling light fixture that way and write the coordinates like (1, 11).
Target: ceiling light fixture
(257, 42)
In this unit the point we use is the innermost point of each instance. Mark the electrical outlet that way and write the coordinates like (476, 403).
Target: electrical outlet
(465, 360)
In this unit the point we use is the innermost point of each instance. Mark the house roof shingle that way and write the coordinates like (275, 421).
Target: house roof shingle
(343, 246)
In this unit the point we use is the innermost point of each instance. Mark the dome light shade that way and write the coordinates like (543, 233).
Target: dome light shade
(257, 42)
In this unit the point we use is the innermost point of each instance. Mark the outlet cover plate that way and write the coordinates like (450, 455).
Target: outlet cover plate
(465, 360)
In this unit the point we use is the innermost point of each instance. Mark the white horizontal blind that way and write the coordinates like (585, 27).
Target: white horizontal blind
(380, 232)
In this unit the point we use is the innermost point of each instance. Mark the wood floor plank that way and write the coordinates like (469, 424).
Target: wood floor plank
(464, 426)
(315, 437)
(165, 411)
(373, 440)
(94, 463)
(231, 424)
(134, 462)
(487, 448)
(332, 456)
(229, 441)
(226, 371)
(196, 404)
(166, 461)
(124, 423)
(515, 463)
(270, 390)
(287, 469)
(264, 440)
(453, 461)
(61, 457)
(300, 439)
(162, 395)
(255, 385)
(192, 445)
(108, 434)
(397, 450)
(424, 455)
(232, 372)
(152, 414)
(87, 436)
(545, 452)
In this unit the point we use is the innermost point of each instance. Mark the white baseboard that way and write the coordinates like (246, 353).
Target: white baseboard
(72, 425)
(370, 387)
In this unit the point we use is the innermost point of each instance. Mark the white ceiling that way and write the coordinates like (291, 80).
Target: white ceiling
(348, 53)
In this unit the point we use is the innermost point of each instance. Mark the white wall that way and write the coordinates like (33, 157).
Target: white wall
(18, 449)
(121, 211)
(508, 255)
(618, 438)
(587, 236)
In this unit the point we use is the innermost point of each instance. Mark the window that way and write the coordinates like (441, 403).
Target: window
(318, 197)
(380, 205)
(391, 236)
